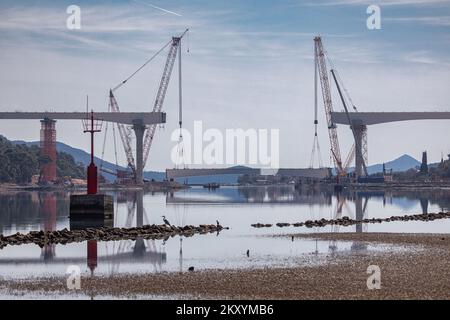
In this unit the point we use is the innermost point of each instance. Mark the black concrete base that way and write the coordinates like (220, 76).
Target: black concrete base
(83, 224)
(86, 207)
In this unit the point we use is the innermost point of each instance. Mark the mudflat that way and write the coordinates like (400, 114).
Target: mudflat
(421, 270)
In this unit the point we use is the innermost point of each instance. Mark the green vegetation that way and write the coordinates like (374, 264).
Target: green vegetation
(440, 172)
(66, 167)
(18, 163)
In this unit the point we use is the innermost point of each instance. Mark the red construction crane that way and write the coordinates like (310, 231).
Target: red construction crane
(321, 66)
(326, 93)
(159, 101)
(126, 131)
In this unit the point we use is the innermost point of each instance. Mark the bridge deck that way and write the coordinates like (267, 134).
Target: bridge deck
(370, 118)
(146, 118)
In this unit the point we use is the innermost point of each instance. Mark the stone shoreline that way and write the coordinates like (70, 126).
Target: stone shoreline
(346, 221)
(153, 232)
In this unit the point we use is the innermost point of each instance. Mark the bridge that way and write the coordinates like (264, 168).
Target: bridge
(129, 118)
(371, 118)
(138, 120)
(360, 120)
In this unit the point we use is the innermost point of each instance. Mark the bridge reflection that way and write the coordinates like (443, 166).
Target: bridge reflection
(115, 253)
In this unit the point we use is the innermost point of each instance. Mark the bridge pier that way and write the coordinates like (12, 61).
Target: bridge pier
(360, 148)
(48, 148)
(139, 130)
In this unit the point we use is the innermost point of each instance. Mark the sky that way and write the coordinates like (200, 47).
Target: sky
(250, 65)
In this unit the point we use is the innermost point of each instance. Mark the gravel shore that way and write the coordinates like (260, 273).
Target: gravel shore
(423, 272)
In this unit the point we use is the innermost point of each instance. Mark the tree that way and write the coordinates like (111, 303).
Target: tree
(19, 162)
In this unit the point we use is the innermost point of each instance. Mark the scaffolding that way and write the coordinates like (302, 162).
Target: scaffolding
(48, 149)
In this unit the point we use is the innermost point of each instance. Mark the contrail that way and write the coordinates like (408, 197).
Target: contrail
(156, 7)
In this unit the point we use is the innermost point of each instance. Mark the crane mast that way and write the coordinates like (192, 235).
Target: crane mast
(326, 93)
(160, 96)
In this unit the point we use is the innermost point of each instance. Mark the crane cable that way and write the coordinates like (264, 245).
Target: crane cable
(142, 67)
(347, 94)
(103, 147)
(104, 144)
(104, 141)
(115, 146)
(316, 146)
(180, 145)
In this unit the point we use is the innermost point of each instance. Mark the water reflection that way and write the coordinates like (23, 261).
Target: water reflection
(141, 250)
(236, 208)
(49, 211)
(313, 196)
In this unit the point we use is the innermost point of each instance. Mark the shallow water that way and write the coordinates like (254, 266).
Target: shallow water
(236, 208)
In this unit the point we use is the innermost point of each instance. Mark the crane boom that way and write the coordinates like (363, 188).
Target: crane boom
(160, 96)
(125, 133)
(350, 158)
(326, 93)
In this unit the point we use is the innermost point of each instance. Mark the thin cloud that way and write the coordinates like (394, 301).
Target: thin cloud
(443, 21)
(369, 2)
(156, 7)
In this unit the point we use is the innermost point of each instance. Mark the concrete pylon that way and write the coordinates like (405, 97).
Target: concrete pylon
(139, 129)
(48, 148)
(359, 149)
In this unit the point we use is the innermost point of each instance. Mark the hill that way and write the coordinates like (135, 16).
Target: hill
(81, 156)
(403, 163)
(19, 162)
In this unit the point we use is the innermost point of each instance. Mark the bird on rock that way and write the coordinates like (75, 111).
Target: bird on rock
(166, 221)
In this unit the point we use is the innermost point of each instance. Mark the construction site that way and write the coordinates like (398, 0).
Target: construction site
(137, 131)
(206, 151)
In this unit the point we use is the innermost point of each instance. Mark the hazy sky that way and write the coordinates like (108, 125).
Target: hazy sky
(250, 65)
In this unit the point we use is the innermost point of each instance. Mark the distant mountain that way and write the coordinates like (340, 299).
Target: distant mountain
(403, 163)
(83, 157)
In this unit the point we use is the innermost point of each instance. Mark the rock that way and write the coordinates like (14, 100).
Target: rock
(281, 225)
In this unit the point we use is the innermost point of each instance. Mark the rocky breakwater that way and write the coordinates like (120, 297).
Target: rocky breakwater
(346, 221)
(153, 232)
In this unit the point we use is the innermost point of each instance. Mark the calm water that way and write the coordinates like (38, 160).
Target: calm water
(236, 208)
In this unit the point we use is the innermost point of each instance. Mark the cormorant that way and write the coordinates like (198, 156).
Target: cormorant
(166, 221)
(218, 223)
(248, 253)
